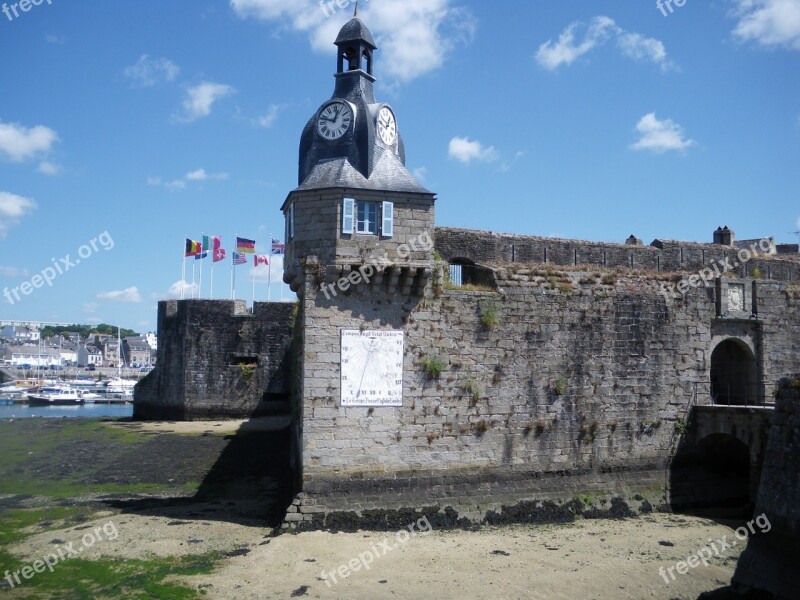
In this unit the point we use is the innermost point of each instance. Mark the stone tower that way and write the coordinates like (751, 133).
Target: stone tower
(357, 208)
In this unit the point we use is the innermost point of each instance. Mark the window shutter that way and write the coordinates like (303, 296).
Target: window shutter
(290, 222)
(387, 229)
(348, 211)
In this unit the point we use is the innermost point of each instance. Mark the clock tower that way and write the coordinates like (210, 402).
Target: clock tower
(357, 209)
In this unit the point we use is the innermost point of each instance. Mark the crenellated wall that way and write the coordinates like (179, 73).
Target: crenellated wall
(216, 359)
(484, 247)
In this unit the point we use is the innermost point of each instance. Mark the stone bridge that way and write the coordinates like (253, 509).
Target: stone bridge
(719, 459)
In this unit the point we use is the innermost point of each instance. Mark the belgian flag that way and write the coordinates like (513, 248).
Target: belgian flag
(193, 248)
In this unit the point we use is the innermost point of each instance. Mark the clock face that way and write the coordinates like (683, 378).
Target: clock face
(334, 120)
(387, 126)
(372, 368)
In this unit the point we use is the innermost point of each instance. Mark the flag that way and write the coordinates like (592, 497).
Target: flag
(218, 252)
(245, 246)
(193, 248)
(238, 259)
(278, 247)
(260, 259)
(206, 243)
(201, 255)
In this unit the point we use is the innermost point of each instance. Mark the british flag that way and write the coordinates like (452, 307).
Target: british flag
(278, 247)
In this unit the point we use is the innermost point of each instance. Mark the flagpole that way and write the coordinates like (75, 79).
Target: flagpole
(269, 275)
(194, 263)
(183, 271)
(254, 282)
(211, 292)
(202, 249)
(233, 269)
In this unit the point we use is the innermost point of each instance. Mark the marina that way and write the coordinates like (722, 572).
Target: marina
(84, 411)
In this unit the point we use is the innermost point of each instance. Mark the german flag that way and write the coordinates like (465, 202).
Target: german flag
(193, 248)
(245, 246)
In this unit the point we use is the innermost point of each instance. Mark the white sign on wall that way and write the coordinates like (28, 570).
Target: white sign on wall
(372, 368)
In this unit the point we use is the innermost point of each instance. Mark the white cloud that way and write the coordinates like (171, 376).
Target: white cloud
(12, 209)
(20, 144)
(643, 49)
(420, 174)
(130, 295)
(506, 167)
(200, 100)
(54, 39)
(768, 22)
(49, 168)
(201, 175)
(148, 72)
(415, 36)
(661, 136)
(90, 307)
(154, 181)
(466, 150)
(13, 272)
(174, 291)
(268, 119)
(551, 55)
(564, 52)
(798, 224)
(178, 184)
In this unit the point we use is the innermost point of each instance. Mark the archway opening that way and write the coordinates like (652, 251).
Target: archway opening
(712, 477)
(733, 374)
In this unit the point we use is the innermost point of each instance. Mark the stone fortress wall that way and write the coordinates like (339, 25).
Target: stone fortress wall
(557, 383)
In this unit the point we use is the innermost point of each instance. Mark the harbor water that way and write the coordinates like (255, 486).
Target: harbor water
(92, 411)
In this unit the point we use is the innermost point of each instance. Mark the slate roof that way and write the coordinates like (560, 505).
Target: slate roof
(389, 175)
(355, 30)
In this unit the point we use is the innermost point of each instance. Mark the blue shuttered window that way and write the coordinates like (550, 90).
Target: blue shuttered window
(348, 216)
(387, 227)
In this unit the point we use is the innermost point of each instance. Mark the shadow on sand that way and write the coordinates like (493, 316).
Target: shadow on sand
(250, 482)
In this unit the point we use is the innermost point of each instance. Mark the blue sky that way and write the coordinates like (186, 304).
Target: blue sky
(148, 121)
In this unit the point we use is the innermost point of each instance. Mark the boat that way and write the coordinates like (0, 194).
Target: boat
(56, 396)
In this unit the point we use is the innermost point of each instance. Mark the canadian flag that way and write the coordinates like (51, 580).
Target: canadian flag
(260, 259)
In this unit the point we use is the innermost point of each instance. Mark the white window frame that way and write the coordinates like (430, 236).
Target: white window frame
(371, 227)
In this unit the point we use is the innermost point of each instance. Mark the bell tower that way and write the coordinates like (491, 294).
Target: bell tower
(356, 204)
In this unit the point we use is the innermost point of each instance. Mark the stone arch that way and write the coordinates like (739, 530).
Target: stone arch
(464, 271)
(712, 476)
(734, 372)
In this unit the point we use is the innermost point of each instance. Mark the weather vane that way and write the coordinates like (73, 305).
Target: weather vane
(355, 14)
